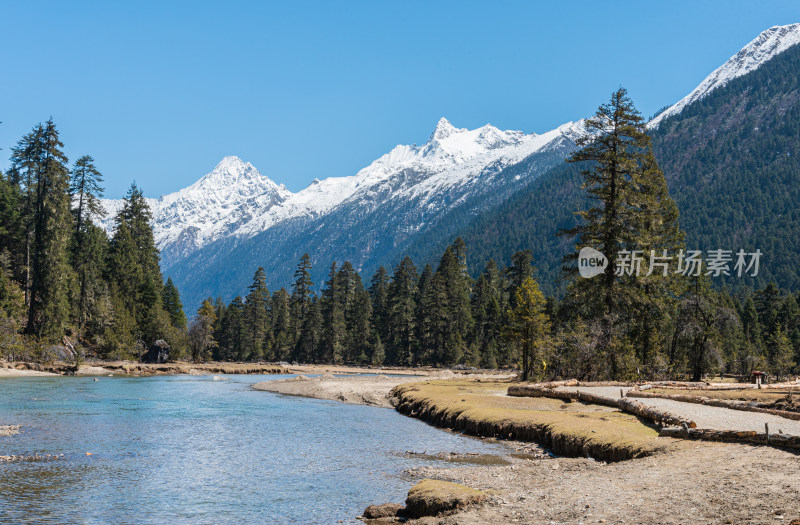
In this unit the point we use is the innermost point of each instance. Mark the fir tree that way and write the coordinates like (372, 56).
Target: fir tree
(86, 192)
(172, 304)
(333, 322)
(50, 272)
(231, 331)
(281, 324)
(301, 297)
(402, 309)
(530, 326)
(379, 295)
(781, 353)
(136, 273)
(631, 211)
(201, 333)
(256, 317)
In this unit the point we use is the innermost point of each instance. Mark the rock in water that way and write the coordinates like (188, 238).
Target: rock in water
(158, 353)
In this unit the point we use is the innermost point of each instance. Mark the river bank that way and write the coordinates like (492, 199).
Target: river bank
(669, 481)
(373, 389)
(104, 368)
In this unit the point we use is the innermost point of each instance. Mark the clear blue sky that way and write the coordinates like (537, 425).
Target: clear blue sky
(160, 93)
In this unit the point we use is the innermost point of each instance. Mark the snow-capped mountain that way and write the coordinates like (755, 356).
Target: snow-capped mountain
(234, 217)
(765, 46)
(235, 200)
(215, 205)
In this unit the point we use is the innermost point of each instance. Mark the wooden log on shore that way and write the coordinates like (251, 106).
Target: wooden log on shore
(653, 414)
(734, 436)
(733, 404)
(626, 405)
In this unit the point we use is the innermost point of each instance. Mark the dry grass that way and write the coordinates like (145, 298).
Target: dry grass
(575, 429)
(431, 497)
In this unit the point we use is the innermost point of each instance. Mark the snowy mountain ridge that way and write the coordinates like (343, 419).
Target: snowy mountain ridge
(765, 46)
(234, 199)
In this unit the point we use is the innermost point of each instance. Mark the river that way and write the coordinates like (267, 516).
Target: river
(191, 449)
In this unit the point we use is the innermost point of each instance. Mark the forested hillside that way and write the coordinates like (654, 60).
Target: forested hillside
(732, 161)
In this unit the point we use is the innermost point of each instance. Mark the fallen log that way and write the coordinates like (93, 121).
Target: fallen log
(653, 414)
(626, 405)
(731, 404)
(734, 436)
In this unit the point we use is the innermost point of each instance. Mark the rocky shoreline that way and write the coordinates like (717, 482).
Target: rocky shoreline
(102, 368)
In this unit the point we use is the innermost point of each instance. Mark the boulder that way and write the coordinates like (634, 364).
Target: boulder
(157, 354)
(387, 510)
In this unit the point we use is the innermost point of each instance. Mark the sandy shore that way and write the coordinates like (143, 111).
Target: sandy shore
(364, 390)
(13, 372)
(369, 390)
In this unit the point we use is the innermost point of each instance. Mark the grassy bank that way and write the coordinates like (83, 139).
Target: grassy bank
(570, 429)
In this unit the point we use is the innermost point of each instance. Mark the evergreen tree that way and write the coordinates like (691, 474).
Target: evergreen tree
(301, 297)
(631, 212)
(333, 322)
(86, 192)
(89, 263)
(379, 295)
(50, 272)
(27, 163)
(307, 347)
(201, 333)
(431, 317)
(781, 353)
(488, 315)
(402, 309)
(136, 275)
(172, 304)
(281, 324)
(256, 318)
(231, 331)
(530, 326)
(520, 270)
(12, 226)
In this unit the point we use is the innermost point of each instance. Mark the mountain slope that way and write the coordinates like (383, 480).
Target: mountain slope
(761, 49)
(732, 161)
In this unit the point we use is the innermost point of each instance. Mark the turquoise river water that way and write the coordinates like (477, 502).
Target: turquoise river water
(189, 449)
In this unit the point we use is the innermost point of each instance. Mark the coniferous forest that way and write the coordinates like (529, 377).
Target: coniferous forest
(66, 282)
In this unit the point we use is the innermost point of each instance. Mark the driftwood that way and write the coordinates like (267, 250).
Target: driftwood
(732, 404)
(733, 436)
(626, 405)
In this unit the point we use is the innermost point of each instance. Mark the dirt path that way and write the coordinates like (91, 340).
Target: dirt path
(707, 417)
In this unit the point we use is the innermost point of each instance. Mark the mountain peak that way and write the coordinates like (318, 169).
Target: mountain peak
(230, 162)
(230, 170)
(443, 130)
(764, 47)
